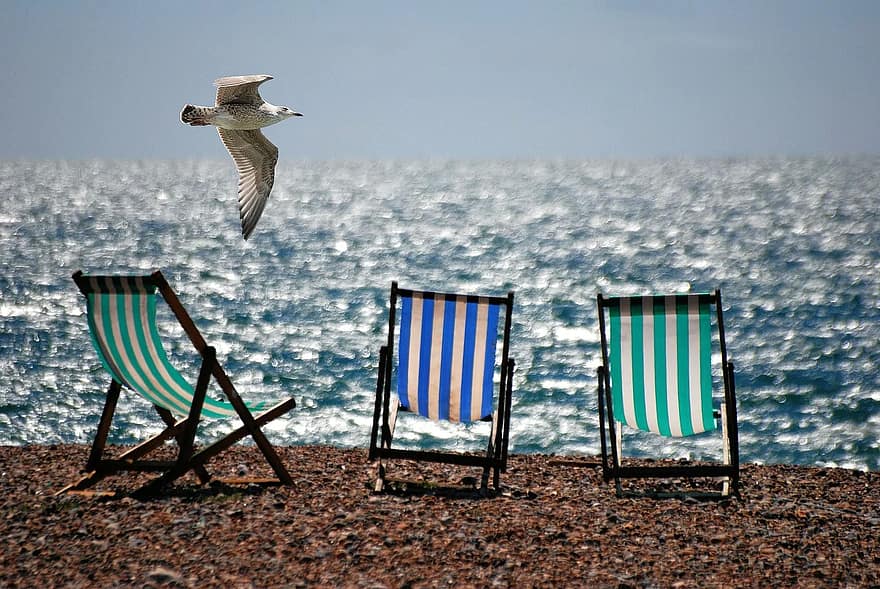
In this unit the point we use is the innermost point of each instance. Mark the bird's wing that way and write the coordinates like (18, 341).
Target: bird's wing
(255, 158)
(240, 89)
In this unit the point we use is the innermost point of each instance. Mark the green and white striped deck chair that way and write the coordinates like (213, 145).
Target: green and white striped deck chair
(121, 313)
(445, 369)
(656, 376)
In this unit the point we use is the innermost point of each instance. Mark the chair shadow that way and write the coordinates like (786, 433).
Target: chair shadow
(467, 489)
(669, 491)
(218, 488)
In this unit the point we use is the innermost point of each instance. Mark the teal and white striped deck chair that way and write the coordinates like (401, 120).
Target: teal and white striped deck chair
(656, 376)
(445, 369)
(121, 313)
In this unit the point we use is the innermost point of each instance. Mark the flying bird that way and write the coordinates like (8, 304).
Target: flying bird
(239, 112)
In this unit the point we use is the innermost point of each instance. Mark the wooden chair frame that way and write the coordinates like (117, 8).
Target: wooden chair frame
(183, 430)
(613, 466)
(387, 405)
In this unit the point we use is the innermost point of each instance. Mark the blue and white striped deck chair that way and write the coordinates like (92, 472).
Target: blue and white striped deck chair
(445, 369)
(656, 376)
(121, 312)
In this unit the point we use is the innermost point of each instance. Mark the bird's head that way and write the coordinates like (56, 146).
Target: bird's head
(283, 111)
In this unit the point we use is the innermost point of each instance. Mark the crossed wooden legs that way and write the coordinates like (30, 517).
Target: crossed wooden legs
(184, 432)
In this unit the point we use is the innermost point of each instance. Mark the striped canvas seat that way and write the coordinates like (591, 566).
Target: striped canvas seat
(122, 323)
(447, 356)
(121, 312)
(660, 355)
(445, 369)
(656, 376)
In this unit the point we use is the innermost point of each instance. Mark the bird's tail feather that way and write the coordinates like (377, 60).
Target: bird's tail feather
(197, 116)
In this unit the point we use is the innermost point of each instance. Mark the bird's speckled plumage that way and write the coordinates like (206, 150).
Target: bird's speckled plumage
(239, 112)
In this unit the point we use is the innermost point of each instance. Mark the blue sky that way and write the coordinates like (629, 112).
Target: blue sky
(452, 79)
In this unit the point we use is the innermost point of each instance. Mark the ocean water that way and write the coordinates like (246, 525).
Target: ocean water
(301, 308)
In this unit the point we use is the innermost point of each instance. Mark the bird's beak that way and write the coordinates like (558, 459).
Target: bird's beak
(297, 114)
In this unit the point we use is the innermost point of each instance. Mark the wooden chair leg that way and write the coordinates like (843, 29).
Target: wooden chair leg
(386, 436)
(377, 408)
(484, 479)
(262, 443)
(617, 454)
(186, 438)
(492, 453)
(104, 426)
(379, 485)
(247, 419)
(100, 467)
(208, 452)
(93, 463)
(168, 418)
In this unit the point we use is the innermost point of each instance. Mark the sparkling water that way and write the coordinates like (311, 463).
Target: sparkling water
(301, 309)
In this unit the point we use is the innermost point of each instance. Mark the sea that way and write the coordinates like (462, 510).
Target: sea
(301, 308)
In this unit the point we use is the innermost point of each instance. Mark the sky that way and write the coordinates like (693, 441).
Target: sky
(471, 79)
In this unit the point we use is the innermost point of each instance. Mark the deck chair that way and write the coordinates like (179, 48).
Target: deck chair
(444, 370)
(122, 321)
(656, 377)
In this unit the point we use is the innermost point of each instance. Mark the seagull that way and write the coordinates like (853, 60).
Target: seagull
(239, 113)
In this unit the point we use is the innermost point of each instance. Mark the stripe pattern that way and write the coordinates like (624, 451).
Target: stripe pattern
(447, 356)
(660, 364)
(122, 322)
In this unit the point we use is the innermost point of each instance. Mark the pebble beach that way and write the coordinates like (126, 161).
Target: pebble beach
(553, 523)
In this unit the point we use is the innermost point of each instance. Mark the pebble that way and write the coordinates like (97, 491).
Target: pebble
(792, 525)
